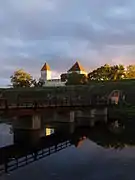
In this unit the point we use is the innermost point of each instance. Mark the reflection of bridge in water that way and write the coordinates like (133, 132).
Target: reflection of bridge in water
(80, 116)
(33, 144)
(108, 136)
(28, 148)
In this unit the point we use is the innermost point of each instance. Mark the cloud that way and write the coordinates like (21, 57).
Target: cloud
(60, 31)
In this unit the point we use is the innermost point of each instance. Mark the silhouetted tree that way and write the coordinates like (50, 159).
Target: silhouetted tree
(76, 79)
(38, 83)
(64, 77)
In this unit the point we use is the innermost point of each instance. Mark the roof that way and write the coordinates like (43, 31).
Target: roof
(76, 67)
(46, 67)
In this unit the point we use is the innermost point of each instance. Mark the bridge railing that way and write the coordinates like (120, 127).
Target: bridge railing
(17, 162)
(55, 102)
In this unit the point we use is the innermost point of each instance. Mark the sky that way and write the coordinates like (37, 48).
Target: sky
(60, 32)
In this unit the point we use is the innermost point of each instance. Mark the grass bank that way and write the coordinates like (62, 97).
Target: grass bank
(101, 88)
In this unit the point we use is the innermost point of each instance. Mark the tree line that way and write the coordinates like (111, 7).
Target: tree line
(102, 73)
(20, 78)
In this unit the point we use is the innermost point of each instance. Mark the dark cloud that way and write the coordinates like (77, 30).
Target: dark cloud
(60, 31)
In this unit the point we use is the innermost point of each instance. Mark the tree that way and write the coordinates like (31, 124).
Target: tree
(39, 83)
(100, 74)
(117, 72)
(76, 79)
(20, 78)
(107, 72)
(64, 77)
(130, 72)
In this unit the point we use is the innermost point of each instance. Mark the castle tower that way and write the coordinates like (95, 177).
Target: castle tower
(77, 68)
(46, 72)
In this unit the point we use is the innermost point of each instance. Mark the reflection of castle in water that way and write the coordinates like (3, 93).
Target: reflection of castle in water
(31, 145)
(34, 144)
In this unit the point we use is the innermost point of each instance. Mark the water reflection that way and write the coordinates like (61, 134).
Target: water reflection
(109, 135)
(6, 135)
(49, 131)
(22, 143)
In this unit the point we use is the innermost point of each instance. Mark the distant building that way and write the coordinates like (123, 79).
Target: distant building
(46, 77)
(77, 68)
(48, 81)
(46, 72)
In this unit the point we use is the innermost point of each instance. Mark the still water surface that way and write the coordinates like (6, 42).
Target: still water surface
(93, 154)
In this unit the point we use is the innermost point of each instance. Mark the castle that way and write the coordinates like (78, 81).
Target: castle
(46, 74)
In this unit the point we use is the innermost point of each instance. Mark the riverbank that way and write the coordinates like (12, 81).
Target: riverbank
(122, 112)
(127, 87)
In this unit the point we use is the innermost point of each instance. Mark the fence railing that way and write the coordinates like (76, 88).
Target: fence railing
(53, 102)
(17, 162)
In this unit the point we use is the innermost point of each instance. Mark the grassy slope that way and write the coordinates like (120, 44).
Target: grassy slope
(102, 88)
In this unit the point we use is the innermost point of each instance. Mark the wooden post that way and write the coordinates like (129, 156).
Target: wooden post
(36, 121)
(92, 113)
(55, 116)
(72, 116)
(71, 129)
(6, 104)
(105, 114)
(92, 122)
(92, 117)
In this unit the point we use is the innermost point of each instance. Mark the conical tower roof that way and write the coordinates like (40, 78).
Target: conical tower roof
(45, 67)
(76, 67)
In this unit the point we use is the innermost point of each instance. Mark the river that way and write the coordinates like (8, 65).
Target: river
(67, 152)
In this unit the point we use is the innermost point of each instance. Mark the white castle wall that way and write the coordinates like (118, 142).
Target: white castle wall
(54, 82)
(46, 75)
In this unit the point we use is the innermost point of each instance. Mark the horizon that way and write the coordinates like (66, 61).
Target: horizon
(57, 76)
(60, 32)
